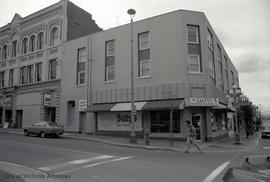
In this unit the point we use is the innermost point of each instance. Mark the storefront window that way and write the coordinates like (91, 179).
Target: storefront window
(160, 121)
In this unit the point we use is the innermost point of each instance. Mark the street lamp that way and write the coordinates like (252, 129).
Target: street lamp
(132, 138)
(235, 93)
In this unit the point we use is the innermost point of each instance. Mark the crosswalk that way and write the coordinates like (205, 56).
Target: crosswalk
(79, 164)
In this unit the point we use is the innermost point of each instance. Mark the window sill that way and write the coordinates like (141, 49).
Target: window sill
(80, 85)
(111, 81)
(196, 73)
(144, 77)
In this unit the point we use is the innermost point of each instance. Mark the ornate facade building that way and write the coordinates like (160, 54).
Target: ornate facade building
(31, 60)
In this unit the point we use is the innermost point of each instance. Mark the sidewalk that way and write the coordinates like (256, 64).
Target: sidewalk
(224, 145)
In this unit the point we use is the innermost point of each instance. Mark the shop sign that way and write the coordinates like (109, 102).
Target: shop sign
(203, 101)
(118, 121)
(82, 105)
(47, 100)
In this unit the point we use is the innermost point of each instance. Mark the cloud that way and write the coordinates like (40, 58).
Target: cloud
(250, 63)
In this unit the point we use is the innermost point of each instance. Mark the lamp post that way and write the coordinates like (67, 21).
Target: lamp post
(132, 138)
(235, 93)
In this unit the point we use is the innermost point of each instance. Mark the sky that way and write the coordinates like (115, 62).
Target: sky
(242, 26)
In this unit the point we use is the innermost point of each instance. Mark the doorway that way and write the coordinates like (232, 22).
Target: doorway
(82, 127)
(70, 113)
(197, 123)
(19, 116)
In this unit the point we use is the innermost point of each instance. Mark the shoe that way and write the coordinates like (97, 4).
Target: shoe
(186, 152)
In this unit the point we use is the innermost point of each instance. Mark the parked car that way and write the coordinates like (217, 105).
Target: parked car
(266, 131)
(44, 129)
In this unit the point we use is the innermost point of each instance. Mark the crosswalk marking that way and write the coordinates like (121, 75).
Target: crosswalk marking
(95, 164)
(74, 162)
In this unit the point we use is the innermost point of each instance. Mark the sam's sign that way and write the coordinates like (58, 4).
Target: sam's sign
(203, 101)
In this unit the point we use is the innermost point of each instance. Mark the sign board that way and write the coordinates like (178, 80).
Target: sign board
(118, 121)
(203, 101)
(47, 100)
(82, 105)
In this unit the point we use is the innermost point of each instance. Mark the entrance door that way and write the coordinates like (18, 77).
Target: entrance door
(197, 122)
(71, 113)
(82, 126)
(19, 116)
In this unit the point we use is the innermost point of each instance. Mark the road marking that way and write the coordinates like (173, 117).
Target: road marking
(74, 162)
(266, 148)
(95, 164)
(216, 172)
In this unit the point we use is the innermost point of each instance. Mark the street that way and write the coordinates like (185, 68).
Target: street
(68, 159)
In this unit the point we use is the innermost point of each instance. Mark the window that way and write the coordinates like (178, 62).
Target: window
(221, 75)
(0, 53)
(81, 62)
(23, 75)
(232, 77)
(212, 68)
(4, 52)
(210, 40)
(226, 72)
(194, 64)
(32, 43)
(40, 41)
(11, 77)
(219, 53)
(24, 46)
(30, 73)
(14, 48)
(144, 41)
(110, 48)
(110, 61)
(52, 69)
(2, 79)
(193, 34)
(53, 36)
(38, 72)
(144, 67)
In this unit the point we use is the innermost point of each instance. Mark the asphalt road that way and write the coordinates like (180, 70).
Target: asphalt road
(68, 159)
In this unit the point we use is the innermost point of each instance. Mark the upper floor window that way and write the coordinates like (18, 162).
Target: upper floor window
(219, 53)
(53, 36)
(38, 72)
(40, 41)
(14, 48)
(30, 74)
(52, 69)
(194, 63)
(24, 46)
(23, 75)
(0, 53)
(210, 40)
(193, 34)
(2, 79)
(110, 61)
(11, 77)
(4, 52)
(144, 55)
(32, 43)
(144, 41)
(232, 77)
(81, 62)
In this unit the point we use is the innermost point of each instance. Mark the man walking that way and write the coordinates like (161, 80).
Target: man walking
(190, 137)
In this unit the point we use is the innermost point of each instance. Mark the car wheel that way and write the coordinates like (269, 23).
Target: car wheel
(56, 136)
(43, 135)
(26, 133)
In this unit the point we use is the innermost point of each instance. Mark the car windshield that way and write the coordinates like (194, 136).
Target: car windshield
(53, 124)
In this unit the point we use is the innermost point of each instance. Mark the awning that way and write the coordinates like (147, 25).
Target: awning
(219, 106)
(127, 106)
(100, 107)
(164, 105)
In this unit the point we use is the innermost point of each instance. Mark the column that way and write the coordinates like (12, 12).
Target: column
(14, 121)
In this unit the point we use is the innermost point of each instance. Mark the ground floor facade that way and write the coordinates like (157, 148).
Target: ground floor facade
(163, 119)
(25, 105)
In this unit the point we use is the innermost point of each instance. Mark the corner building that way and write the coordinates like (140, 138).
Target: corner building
(31, 60)
(179, 65)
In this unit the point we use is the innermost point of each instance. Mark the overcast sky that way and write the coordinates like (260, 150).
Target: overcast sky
(243, 27)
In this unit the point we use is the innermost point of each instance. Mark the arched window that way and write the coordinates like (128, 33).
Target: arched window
(40, 41)
(4, 52)
(53, 36)
(32, 43)
(24, 45)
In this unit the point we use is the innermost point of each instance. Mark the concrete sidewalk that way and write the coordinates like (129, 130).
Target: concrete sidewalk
(224, 145)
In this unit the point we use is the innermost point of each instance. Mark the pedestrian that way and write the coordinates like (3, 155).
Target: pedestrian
(190, 137)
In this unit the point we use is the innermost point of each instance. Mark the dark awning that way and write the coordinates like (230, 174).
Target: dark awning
(100, 107)
(164, 105)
